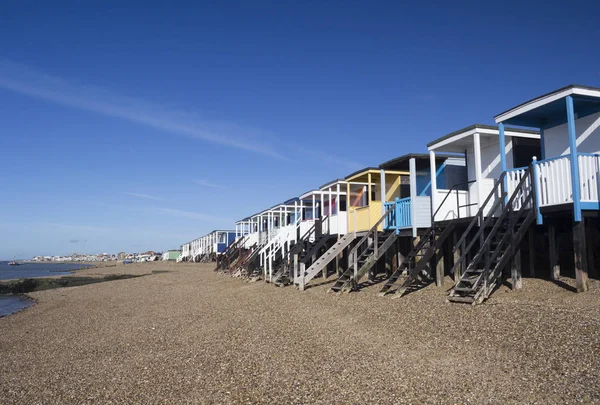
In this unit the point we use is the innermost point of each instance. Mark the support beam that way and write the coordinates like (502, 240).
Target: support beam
(412, 164)
(502, 144)
(531, 241)
(574, 162)
(369, 189)
(432, 167)
(515, 271)
(579, 250)
(458, 270)
(439, 268)
(553, 253)
(383, 192)
(478, 171)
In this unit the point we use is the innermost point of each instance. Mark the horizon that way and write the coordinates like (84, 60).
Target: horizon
(144, 127)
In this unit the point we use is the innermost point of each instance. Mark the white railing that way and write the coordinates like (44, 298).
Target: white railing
(554, 176)
(513, 178)
(589, 166)
(281, 240)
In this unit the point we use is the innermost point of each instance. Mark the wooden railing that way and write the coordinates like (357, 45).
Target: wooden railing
(589, 170)
(399, 216)
(554, 180)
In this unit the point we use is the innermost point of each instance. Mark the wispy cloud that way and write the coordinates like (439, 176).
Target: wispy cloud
(31, 82)
(207, 183)
(144, 196)
(193, 215)
(77, 227)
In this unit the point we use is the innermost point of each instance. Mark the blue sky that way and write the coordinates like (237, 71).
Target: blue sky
(142, 126)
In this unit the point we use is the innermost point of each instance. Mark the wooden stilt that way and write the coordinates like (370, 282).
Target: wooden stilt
(531, 241)
(515, 271)
(553, 253)
(301, 284)
(589, 244)
(580, 255)
(296, 275)
(439, 268)
(456, 257)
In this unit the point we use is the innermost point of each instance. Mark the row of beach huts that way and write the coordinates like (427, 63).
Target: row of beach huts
(485, 206)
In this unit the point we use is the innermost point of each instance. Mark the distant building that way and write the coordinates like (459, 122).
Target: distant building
(171, 255)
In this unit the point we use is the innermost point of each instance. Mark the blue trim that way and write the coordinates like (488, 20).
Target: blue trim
(590, 205)
(536, 187)
(437, 173)
(542, 144)
(574, 160)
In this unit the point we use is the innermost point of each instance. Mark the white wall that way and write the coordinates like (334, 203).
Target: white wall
(336, 224)
(251, 240)
(422, 207)
(490, 157)
(449, 209)
(556, 139)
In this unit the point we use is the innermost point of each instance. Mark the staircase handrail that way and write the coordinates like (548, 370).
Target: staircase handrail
(278, 236)
(235, 245)
(372, 230)
(490, 236)
(313, 228)
(479, 214)
(458, 207)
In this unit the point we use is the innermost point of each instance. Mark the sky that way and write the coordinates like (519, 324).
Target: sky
(128, 126)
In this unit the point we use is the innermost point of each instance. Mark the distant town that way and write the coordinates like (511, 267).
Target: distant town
(149, 256)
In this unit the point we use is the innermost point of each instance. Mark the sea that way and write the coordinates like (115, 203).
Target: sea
(10, 304)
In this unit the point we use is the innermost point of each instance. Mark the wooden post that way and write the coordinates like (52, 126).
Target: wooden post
(579, 250)
(295, 278)
(515, 270)
(301, 284)
(553, 253)
(439, 266)
(456, 257)
(589, 244)
(531, 238)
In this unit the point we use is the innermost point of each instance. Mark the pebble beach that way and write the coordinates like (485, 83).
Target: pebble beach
(184, 334)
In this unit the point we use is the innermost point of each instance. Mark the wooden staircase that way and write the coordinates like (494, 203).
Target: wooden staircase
(365, 254)
(498, 245)
(230, 254)
(416, 269)
(305, 275)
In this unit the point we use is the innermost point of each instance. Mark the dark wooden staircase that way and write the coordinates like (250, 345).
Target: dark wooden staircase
(364, 256)
(498, 236)
(416, 269)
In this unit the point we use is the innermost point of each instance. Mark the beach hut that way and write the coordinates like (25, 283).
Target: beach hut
(404, 216)
(373, 197)
(171, 255)
(466, 214)
(564, 184)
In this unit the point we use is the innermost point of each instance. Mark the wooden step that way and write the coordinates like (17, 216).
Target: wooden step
(457, 298)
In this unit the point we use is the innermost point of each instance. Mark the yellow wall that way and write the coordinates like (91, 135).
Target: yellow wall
(392, 188)
(366, 217)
